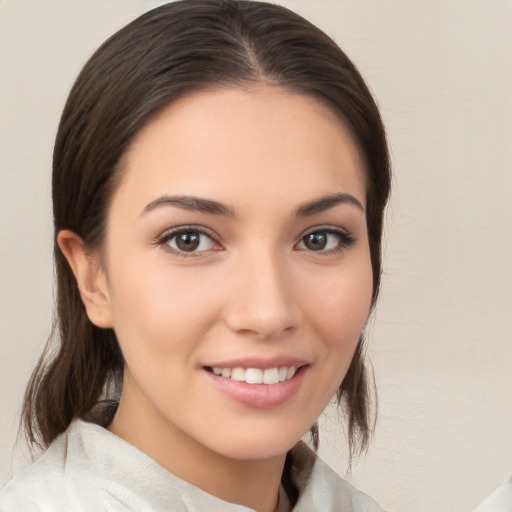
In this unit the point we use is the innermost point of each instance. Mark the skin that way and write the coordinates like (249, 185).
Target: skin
(252, 290)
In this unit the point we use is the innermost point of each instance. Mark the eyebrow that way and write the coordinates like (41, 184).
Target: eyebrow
(190, 203)
(209, 206)
(327, 202)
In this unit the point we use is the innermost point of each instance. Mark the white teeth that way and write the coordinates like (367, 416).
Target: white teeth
(257, 375)
(291, 372)
(254, 376)
(238, 374)
(271, 376)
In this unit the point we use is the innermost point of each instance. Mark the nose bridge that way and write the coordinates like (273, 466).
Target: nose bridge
(262, 302)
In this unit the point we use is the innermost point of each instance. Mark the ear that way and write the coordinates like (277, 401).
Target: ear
(90, 277)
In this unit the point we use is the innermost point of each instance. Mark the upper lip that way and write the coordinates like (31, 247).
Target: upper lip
(262, 363)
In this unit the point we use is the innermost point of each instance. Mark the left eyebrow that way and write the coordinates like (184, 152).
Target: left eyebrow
(325, 203)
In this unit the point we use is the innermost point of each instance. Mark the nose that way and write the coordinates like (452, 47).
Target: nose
(262, 303)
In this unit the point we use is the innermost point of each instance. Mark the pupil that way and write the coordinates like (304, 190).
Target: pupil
(188, 241)
(316, 241)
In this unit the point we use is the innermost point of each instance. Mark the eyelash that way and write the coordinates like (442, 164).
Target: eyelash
(164, 239)
(345, 240)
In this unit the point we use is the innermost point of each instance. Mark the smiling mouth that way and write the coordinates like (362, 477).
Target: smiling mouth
(270, 376)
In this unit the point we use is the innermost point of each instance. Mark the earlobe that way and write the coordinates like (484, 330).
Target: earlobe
(90, 277)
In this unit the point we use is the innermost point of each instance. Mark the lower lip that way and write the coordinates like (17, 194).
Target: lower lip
(259, 396)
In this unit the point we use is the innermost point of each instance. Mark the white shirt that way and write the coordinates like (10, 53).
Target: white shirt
(90, 469)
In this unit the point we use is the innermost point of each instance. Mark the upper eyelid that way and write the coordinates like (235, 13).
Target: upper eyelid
(346, 237)
(162, 241)
(326, 227)
(169, 233)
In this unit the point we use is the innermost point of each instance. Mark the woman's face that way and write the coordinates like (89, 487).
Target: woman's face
(237, 270)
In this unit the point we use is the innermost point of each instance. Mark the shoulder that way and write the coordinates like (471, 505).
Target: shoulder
(63, 478)
(29, 489)
(322, 489)
(89, 469)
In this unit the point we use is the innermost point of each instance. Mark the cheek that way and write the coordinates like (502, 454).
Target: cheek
(339, 308)
(160, 308)
(336, 310)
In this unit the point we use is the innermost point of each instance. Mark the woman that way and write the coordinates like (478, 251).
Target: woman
(220, 175)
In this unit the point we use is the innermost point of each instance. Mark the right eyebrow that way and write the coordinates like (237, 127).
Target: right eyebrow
(193, 203)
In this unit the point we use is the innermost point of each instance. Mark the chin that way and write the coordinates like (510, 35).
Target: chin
(258, 445)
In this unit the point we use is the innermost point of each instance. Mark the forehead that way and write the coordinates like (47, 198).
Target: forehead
(230, 143)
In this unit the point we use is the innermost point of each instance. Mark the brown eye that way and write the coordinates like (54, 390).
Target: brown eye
(188, 241)
(325, 241)
(316, 241)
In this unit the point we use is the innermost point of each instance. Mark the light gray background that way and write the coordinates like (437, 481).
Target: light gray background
(441, 341)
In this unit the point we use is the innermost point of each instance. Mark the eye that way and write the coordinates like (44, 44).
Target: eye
(188, 240)
(325, 240)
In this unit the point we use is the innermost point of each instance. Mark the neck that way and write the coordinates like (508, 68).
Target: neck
(252, 483)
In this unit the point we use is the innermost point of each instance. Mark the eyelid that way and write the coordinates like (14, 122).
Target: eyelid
(327, 228)
(345, 237)
(168, 234)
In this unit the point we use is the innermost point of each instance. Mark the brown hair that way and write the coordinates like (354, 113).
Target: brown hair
(162, 55)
